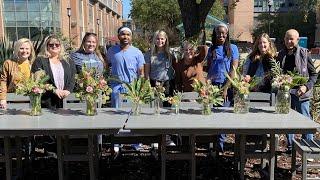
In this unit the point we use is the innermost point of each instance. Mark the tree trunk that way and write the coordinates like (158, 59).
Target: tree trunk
(194, 15)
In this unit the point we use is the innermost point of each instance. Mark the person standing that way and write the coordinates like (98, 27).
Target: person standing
(16, 69)
(259, 60)
(158, 67)
(88, 54)
(296, 58)
(127, 63)
(223, 57)
(60, 70)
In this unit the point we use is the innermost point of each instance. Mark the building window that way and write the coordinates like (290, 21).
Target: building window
(31, 19)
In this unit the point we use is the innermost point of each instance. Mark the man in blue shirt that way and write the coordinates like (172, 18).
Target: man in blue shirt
(127, 63)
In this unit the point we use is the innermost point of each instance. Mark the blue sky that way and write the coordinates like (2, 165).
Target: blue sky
(126, 8)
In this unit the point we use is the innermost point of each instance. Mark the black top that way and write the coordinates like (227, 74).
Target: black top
(50, 99)
(289, 63)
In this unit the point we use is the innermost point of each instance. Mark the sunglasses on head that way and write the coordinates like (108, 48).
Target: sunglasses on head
(54, 45)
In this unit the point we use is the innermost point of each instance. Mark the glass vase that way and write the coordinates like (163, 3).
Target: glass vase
(157, 109)
(35, 105)
(283, 101)
(206, 109)
(91, 108)
(241, 103)
(136, 108)
(176, 108)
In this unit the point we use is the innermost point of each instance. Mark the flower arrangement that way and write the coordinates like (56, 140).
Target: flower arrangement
(243, 84)
(176, 98)
(175, 101)
(283, 83)
(159, 96)
(34, 87)
(158, 91)
(207, 95)
(139, 91)
(90, 87)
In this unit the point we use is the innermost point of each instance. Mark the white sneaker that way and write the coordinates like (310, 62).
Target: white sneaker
(116, 149)
(170, 143)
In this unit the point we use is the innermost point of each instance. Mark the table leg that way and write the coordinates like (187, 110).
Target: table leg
(19, 155)
(272, 155)
(163, 156)
(293, 160)
(7, 157)
(242, 155)
(60, 157)
(91, 155)
(193, 156)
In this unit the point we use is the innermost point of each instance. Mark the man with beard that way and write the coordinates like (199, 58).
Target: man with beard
(127, 64)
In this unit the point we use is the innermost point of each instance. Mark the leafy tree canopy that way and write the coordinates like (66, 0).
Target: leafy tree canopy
(155, 14)
(299, 18)
(218, 10)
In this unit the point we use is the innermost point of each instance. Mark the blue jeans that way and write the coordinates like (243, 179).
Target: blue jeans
(229, 103)
(302, 107)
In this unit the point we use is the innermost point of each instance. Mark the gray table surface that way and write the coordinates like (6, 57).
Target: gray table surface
(62, 121)
(261, 120)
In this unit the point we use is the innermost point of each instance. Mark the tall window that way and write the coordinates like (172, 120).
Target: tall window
(31, 18)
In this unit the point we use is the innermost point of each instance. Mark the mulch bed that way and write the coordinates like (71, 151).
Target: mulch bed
(145, 165)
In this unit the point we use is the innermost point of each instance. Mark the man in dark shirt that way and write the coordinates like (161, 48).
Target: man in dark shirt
(296, 58)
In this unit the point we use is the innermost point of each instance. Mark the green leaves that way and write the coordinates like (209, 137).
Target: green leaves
(139, 91)
(208, 94)
(165, 13)
(6, 50)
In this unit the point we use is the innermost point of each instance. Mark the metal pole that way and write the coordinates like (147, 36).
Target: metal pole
(69, 16)
(269, 29)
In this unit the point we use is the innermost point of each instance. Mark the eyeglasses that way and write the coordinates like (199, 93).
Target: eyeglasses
(51, 45)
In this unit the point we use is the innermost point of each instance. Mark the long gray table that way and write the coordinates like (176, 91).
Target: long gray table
(17, 122)
(190, 122)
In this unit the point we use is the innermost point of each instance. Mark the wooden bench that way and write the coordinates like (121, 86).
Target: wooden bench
(308, 149)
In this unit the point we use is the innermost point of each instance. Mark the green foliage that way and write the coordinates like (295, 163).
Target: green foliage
(6, 50)
(91, 85)
(218, 10)
(155, 14)
(285, 81)
(207, 93)
(315, 102)
(67, 42)
(176, 98)
(141, 43)
(139, 91)
(281, 22)
(34, 85)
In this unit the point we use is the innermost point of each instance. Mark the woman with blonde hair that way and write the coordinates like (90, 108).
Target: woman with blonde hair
(60, 69)
(88, 54)
(158, 67)
(16, 69)
(258, 62)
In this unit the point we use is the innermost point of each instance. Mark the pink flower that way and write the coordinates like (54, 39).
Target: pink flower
(247, 78)
(102, 82)
(37, 90)
(89, 89)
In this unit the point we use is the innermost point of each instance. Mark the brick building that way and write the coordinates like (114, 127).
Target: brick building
(73, 18)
